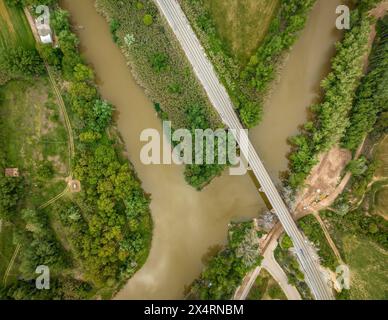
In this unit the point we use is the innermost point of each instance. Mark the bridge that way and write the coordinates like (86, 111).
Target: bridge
(221, 101)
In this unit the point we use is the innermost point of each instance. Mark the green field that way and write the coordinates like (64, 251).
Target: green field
(7, 248)
(382, 158)
(368, 266)
(242, 24)
(36, 140)
(266, 288)
(14, 28)
(36, 136)
(381, 201)
(313, 231)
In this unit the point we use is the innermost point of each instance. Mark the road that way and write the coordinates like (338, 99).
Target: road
(271, 265)
(220, 99)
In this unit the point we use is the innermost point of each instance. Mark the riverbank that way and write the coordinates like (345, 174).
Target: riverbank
(184, 220)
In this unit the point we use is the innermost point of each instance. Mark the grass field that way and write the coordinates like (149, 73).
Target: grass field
(382, 157)
(7, 248)
(242, 24)
(381, 201)
(36, 139)
(266, 288)
(36, 136)
(379, 190)
(14, 28)
(369, 269)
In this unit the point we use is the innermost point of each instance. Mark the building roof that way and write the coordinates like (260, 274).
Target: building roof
(12, 172)
(43, 28)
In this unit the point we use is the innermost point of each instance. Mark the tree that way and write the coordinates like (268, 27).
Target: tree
(159, 61)
(68, 41)
(53, 56)
(10, 189)
(83, 73)
(148, 20)
(357, 167)
(20, 62)
(286, 242)
(60, 20)
(102, 111)
(250, 114)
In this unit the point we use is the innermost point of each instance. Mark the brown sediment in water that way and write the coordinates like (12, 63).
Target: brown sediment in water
(186, 222)
(298, 87)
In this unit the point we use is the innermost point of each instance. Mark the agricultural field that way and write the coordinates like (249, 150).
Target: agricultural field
(14, 28)
(368, 267)
(242, 24)
(266, 288)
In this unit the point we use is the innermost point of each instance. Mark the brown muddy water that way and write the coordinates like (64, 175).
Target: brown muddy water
(298, 87)
(189, 224)
(186, 222)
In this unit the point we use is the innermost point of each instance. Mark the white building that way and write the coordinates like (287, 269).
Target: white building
(44, 32)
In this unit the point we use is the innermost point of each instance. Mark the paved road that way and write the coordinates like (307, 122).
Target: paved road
(221, 101)
(271, 265)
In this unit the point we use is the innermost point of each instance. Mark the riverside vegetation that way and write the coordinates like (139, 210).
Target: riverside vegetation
(340, 118)
(355, 220)
(225, 271)
(248, 82)
(92, 241)
(160, 66)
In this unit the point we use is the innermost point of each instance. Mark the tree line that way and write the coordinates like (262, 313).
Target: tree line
(116, 224)
(248, 84)
(331, 117)
(372, 95)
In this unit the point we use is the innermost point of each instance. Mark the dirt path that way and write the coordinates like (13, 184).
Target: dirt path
(62, 108)
(57, 92)
(57, 197)
(328, 237)
(65, 115)
(10, 265)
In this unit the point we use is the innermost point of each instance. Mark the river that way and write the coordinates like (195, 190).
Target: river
(187, 223)
(298, 87)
